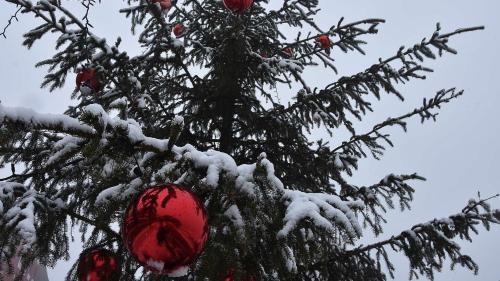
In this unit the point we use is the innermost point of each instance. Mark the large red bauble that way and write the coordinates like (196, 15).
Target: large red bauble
(164, 4)
(178, 30)
(165, 228)
(88, 77)
(324, 41)
(98, 265)
(238, 5)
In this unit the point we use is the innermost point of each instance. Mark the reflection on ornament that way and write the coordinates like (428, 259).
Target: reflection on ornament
(165, 228)
(98, 265)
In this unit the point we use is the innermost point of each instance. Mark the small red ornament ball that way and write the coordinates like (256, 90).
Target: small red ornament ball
(164, 4)
(178, 30)
(288, 52)
(98, 265)
(324, 41)
(165, 228)
(238, 6)
(89, 78)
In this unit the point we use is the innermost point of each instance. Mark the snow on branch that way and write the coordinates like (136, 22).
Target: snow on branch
(119, 192)
(215, 163)
(323, 210)
(20, 217)
(31, 119)
(382, 196)
(63, 148)
(9, 191)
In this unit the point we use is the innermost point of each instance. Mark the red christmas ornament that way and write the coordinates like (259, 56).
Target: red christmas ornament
(98, 265)
(324, 42)
(229, 276)
(165, 228)
(179, 30)
(164, 4)
(238, 6)
(89, 78)
(288, 52)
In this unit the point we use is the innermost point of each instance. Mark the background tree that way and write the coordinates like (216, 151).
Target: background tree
(305, 220)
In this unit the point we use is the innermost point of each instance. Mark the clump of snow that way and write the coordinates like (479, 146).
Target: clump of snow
(135, 82)
(141, 102)
(120, 102)
(271, 177)
(214, 161)
(21, 217)
(324, 211)
(64, 147)
(119, 192)
(233, 213)
(86, 90)
(178, 120)
(244, 183)
(179, 272)
(291, 263)
(177, 43)
(29, 116)
(158, 265)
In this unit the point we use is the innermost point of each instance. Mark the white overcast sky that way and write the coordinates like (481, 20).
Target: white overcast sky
(458, 154)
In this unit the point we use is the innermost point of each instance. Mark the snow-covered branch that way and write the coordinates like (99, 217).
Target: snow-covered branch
(325, 211)
(31, 120)
(382, 196)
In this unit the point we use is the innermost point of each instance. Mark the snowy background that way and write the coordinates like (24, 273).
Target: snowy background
(458, 154)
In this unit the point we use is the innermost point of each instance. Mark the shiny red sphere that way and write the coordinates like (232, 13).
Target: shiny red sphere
(88, 77)
(165, 228)
(178, 30)
(238, 5)
(98, 265)
(164, 4)
(324, 41)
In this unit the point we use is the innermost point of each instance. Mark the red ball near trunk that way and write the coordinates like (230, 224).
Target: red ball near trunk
(178, 30)
(98, 265)
(324, 41)
(238, 6)
(165, 228)
(89, 78)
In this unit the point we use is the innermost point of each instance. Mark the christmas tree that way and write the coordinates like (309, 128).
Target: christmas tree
(196, 116)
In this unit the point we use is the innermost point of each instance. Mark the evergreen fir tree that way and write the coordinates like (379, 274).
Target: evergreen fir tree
(197, 109)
